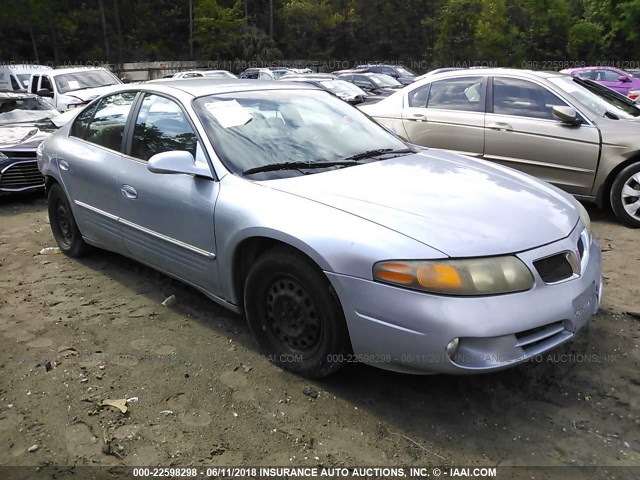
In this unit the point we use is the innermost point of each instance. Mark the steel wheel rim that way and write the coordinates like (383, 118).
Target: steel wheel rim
(293, 319)
(63, 220)
(631, 196)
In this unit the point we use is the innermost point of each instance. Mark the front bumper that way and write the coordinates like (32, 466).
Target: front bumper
(408, 331)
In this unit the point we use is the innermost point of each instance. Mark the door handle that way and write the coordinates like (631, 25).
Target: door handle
(417, 117)
(63, 165)
(129, 192)
(501, 126)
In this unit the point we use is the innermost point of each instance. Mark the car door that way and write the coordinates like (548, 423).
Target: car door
(167, 219)
(88, 166)
(611, 79)
(522, 133)
(447, 114)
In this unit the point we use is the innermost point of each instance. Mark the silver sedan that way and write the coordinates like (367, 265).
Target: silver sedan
(338, 240)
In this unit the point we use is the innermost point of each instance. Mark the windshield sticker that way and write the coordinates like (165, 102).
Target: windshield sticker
(74, 84)
(228, 113)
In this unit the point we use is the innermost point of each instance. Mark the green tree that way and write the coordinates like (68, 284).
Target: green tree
(217, 28)
(493, 33)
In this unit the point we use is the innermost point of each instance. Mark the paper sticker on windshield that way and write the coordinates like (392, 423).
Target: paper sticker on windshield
(74, 85)
(229, 113)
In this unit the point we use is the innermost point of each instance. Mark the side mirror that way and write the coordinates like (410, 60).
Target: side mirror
(177, 161)
(125, 80)
(566, 115)
(356, 100)
(624, 79)
(45, 92)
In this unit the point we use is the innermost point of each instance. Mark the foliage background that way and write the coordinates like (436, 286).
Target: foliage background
(434, 32)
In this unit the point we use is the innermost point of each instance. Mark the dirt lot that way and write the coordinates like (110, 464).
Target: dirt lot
(205, 396)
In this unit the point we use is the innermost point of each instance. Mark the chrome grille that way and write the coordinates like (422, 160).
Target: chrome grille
(21, 175)
(554, 268)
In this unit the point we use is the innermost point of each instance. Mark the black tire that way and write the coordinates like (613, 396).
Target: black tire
(295, 314)
(619, 200)
(63, 224)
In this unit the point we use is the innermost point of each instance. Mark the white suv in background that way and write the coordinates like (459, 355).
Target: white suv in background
(71, 87)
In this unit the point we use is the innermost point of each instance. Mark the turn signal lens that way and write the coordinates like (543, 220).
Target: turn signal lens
(469, 276)
(438, 276)
(397, 273)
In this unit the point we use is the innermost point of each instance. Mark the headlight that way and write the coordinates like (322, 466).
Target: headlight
(3, 156)
(473, 276)
(586, 219)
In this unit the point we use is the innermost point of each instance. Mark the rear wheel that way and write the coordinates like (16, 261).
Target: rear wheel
(295, 314)
(625, 195)
(63, 224)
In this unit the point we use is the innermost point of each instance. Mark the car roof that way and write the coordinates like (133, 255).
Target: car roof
(62, 71)
(198, 87)
(312, 76)
(496, 71)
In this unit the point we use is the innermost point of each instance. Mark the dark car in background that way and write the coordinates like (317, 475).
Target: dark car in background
(348, 92)
(401, 73)
(372, 83)
(25, 121)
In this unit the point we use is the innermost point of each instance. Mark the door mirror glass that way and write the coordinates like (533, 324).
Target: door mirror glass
(566, 115)
(177, 161)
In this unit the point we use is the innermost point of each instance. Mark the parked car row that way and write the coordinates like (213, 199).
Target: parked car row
(338, 239)
(568, 131)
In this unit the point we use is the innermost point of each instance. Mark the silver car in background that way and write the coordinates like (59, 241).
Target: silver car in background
(338, 240)
(573, 133)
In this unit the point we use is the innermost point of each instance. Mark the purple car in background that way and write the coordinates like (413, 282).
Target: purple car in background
(614, 78)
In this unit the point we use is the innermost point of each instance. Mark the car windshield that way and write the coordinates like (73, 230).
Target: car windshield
(220, 75)
(25, 110)
(258, 128)
(382, 80)
(340, 86)
(24, 79)
(404, 71)
(69, 82)
(599, 99)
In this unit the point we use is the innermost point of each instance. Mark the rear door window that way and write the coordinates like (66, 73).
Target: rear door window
(466, 93)
(34, 83)
(104, 123)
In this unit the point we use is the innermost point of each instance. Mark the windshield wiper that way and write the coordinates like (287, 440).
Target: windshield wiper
(378, 152)
(297, 166)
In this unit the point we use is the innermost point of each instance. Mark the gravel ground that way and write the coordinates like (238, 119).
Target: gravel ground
(74, 333)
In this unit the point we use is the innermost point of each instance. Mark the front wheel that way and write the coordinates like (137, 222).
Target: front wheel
(63, 224)
(625, 195)
(295, 314)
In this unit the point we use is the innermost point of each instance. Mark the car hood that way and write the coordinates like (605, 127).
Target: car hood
(457, 205)
(24, 136)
